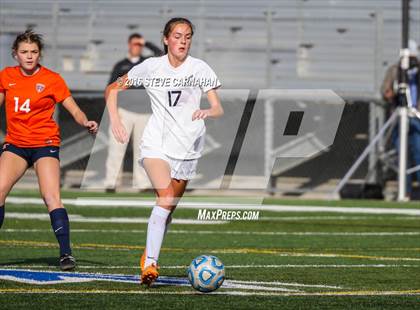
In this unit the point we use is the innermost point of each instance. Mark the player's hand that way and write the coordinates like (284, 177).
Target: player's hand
(389, 94)
(200, 114)
(91, 126)
(120, 133)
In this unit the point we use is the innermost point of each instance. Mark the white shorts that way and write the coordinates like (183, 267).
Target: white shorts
(181, 169)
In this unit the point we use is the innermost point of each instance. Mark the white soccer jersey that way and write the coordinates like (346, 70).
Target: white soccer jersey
(175, 94)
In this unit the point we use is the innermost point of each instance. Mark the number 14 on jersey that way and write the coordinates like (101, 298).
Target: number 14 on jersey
(25, 107)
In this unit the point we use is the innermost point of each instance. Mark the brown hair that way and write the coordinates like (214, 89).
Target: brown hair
(29, 36)
(171, 24)
(134, 36)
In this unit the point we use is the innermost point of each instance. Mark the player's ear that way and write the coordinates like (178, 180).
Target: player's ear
(165, 40)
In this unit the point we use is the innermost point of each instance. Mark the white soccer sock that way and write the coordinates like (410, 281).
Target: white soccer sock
(168, 223)
(155, 233)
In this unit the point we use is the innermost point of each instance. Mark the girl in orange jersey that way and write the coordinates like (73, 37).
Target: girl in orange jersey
(30, 92)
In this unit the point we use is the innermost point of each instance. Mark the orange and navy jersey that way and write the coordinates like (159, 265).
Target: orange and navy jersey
(30, 103)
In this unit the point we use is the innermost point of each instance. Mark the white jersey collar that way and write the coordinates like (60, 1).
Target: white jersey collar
(180, 66)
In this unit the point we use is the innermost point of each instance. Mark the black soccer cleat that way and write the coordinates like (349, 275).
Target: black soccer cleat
(67, 262)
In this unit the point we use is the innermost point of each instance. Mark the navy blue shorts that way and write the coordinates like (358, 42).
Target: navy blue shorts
(32, 154)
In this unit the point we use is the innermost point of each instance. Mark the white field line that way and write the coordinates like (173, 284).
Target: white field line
(234, 282)
(222, 292)
(139, 203)
(239, 286)
(284, 266)
(228, 232)
(335, 218)
(85, 219)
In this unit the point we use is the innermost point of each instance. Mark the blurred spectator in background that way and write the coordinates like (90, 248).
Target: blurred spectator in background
(389, 91)
(134, 113)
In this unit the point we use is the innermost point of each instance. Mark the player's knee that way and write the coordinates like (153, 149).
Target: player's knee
(168, 192)
(52, 200)
(166, 197)
(4, 190)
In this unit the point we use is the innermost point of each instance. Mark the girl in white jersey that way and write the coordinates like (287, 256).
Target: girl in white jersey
(174, 135)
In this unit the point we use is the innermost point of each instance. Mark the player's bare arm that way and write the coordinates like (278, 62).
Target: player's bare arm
(1, 99)
(111, 94)
(216, 109)
(79, 116)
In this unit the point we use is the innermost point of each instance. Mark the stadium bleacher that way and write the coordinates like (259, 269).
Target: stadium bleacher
(315, 43)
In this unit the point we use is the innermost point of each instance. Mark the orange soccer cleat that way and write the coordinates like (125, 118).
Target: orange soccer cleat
(142, 260)
(149, 274)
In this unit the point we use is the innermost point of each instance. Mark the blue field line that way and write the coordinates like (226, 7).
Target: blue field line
(53, 277)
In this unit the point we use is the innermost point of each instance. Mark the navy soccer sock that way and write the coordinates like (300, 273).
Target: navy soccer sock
(61, 227)
(1, 215)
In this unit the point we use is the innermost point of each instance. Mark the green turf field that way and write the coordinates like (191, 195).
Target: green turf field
(298, 258)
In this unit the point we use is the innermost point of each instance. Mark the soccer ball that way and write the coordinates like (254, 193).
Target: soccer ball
(206, 273)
